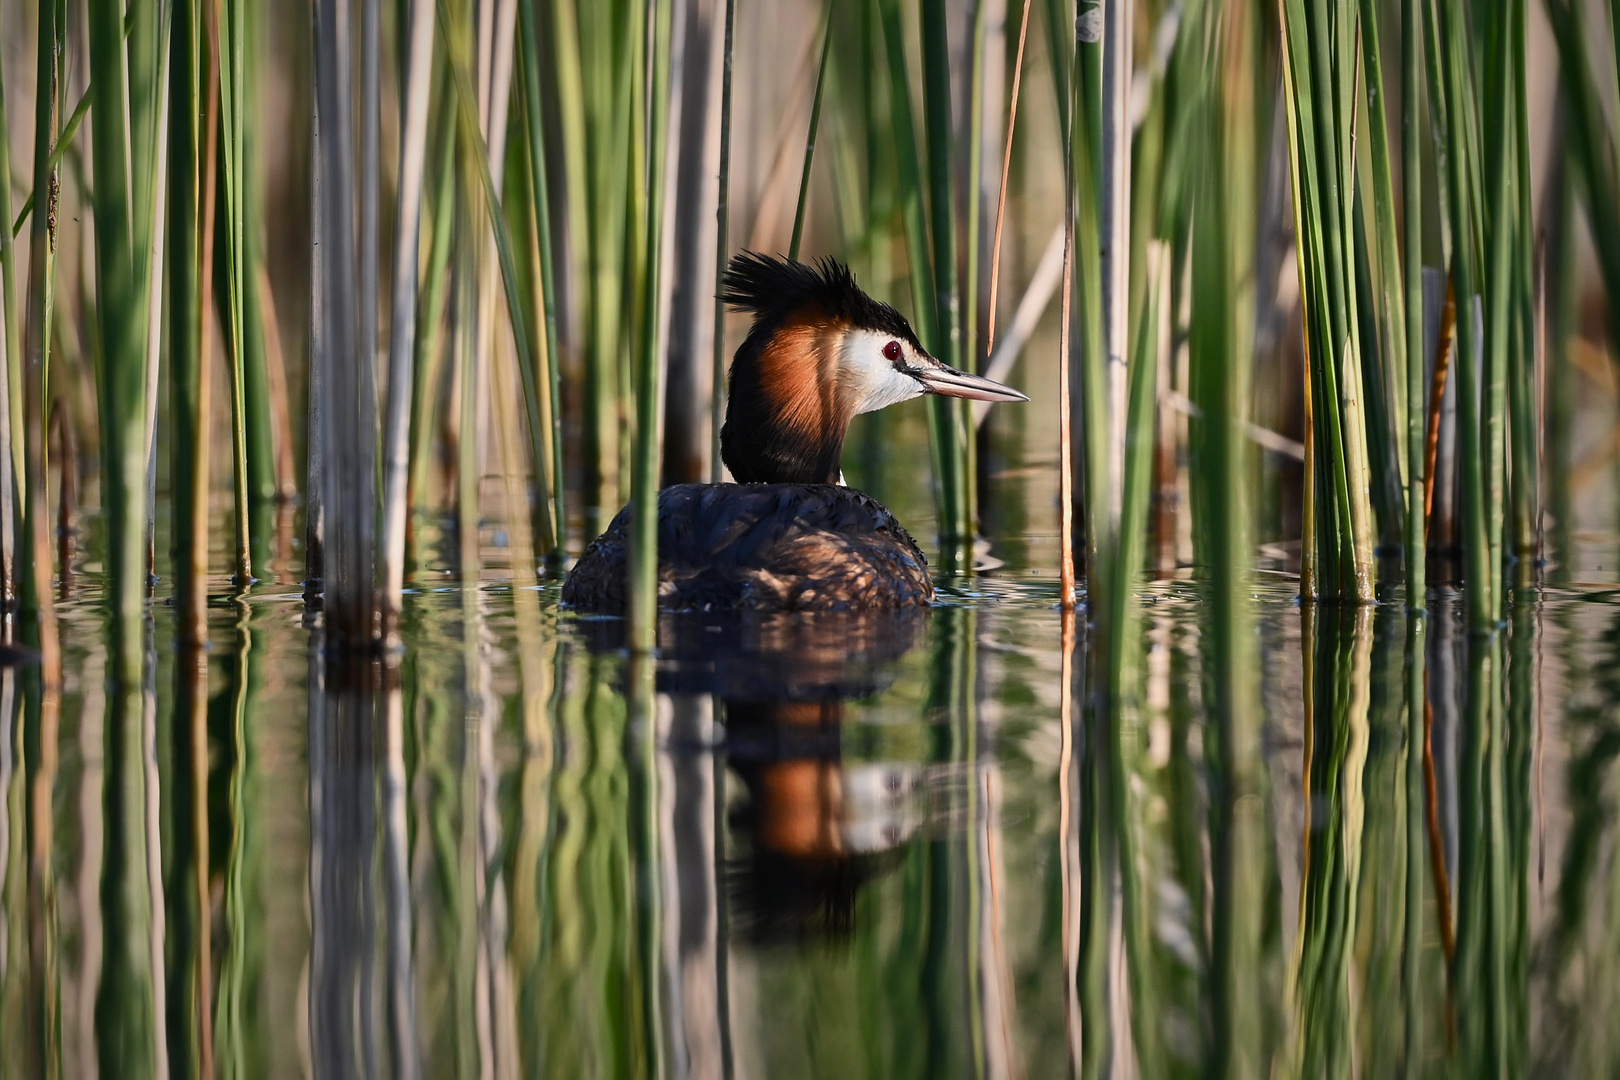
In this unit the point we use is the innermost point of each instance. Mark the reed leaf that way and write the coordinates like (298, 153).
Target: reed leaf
(924, 292)
(1319, 59)
(810, 137)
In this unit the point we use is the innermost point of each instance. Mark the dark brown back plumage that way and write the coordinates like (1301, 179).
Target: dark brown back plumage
(762, 547)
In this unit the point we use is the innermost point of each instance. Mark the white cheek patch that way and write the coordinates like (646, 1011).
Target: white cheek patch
(870, 377)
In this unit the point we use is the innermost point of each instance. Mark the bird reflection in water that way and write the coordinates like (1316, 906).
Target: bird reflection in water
(812, 826)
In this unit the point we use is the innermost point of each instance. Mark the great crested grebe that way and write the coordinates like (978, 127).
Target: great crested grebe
(789, 535)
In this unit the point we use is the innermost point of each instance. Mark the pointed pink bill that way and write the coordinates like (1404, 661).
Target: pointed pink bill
(948, 382)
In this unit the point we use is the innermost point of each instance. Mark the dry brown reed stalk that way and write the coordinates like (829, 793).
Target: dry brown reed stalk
(192, 588)
(1001, 196)
(1437, 395)
(1065, 425)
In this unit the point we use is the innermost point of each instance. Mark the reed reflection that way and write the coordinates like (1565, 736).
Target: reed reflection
(361, 1005)
(812, 847)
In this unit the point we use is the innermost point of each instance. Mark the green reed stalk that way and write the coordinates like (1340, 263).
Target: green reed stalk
(428, 361)
(11, 447)
(192, 146)
(1389, 390)
(810, 136)
(1560, 297)
(603, 43)
(1525, 378)
(1384, 459)
(28, 399)
(1319, 55)
(1086, 171)
(264, 390)
(924, 296)
(481, 155)
(416, 81)
(1452, 67)
(123, 217)
(661, 156)
(1416, 382)
(240, 218)
(950, 414)
(545, 269)
(1499, 221)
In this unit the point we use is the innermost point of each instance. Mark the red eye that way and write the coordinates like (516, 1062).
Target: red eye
(892, 352)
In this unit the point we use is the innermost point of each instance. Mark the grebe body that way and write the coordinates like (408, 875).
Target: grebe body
(762, 547)
(789, 536)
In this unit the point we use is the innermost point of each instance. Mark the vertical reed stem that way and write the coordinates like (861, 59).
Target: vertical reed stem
(11, 458)
(193, 148)
(347, 374)
(1412, 206)
(950, 414)
(416, 79)
(1119, 16)
(546, 272)
(666, 28)
(717, 407)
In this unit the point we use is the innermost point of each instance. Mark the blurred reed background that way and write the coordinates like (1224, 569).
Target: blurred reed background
(514, 212)
(362, 298)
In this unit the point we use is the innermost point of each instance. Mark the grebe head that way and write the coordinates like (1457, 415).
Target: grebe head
(820, 352)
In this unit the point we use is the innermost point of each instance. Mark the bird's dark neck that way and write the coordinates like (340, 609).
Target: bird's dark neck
(785, 422)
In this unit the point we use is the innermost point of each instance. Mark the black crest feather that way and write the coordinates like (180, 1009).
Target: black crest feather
(773, 287)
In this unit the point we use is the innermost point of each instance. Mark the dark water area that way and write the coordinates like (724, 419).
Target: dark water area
(920, 846)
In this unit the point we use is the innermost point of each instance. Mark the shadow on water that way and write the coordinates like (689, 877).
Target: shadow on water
(917, 846)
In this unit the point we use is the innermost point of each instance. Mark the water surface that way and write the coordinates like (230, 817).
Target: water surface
(884, 847)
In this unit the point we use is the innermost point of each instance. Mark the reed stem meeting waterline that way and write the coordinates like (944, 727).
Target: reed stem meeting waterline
(345, 304)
